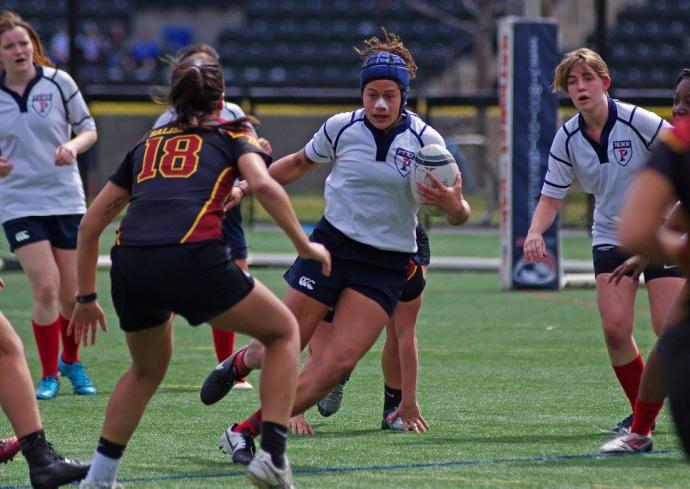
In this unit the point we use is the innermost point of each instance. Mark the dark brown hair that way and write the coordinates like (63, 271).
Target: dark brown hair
(196, 90)
(683, 75)
(390, 43)
(9, 20)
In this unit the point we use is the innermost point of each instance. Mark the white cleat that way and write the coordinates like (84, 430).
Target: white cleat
(630, 443)
(242, 385)
(265, 475)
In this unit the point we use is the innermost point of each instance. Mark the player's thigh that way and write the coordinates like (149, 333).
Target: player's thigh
(616, 302)
(38, 262)
(151, 348)
(259, 314)
(357, 324)
(663, 293)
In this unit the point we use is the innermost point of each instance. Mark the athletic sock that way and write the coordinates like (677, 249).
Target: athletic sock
(70, 344)
(629, 376)
(251, 425)
(106, 462)
(391, 398)
(48, 345)
(223, 342)
(240, 368)
(645, 415)
(273, 441)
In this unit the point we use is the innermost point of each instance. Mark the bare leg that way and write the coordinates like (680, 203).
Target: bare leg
(16, 391)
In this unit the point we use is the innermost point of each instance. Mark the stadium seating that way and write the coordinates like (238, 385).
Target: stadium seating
(649, 44)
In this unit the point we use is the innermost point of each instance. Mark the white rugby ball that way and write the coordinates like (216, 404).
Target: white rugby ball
(435, 159)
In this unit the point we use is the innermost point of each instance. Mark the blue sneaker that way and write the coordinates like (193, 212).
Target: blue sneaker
(76, 373)
(48, 387)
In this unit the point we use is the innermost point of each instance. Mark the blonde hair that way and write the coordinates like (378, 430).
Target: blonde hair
(9, 20)
(582, 55)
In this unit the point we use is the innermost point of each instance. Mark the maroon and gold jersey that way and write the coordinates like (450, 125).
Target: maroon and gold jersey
(178, 181)
(671, 157)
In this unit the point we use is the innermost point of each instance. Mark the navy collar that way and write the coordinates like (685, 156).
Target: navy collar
(22, 100)
(601, 147)
(385, 139)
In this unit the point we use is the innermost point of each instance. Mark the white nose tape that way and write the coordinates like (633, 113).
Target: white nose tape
(381, 104)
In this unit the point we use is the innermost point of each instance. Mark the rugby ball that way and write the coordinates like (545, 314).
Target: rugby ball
(435, 159)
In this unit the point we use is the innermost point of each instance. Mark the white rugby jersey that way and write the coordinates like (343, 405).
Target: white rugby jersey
(368, 195)
(605, 170)
(32, 126)
(230, 112)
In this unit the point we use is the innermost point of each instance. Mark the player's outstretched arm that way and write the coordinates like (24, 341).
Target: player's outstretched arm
(88, 314)
(275, 200)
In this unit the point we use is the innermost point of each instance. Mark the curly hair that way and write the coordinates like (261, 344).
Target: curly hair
(390, 43)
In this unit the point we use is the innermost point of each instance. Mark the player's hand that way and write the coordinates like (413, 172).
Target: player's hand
(317, 251)
(298, 425)
(65, 154)
(534, 249)
(266, 146)
(5, 166)
(233, 199)
(411, 417)
(448, 199)
(85, 320)
(633, 266)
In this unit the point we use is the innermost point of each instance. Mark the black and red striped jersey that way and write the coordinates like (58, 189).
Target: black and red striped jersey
(178, 181)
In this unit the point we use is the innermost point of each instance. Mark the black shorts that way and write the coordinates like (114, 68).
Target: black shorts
(233, 233)
(608, 257)
(198, 281)
(61, 231)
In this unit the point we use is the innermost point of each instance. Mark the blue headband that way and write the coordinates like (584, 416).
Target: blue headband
(386, 66)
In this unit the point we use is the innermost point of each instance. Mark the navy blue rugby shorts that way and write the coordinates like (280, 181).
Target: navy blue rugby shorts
(233, 233)
(61, 231)
(198, 281)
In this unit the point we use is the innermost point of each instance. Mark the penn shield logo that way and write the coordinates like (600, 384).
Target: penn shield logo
(306, 282)
(42, 103)
(403, 161)
(622, 151)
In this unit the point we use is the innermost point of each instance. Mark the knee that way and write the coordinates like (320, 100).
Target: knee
(12, 348)
(342, 364)
(617, 332)
(46, 294)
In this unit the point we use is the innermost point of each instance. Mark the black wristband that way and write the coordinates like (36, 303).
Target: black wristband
(85, 299)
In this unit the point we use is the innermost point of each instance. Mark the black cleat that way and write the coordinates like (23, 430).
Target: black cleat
(49, 470)
(220, 380)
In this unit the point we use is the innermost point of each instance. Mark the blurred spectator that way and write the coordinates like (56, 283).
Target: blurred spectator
(118, 59)
(145, 48)
(91, 43)
(59, 47)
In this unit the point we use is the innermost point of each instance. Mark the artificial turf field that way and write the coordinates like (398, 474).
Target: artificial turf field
(515, 385)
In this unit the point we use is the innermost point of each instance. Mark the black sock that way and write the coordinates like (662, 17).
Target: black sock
(273, 441)
(35, 448)
(391, 398)
(110, 449)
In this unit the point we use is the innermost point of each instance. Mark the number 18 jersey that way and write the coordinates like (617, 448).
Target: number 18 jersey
(178, 181)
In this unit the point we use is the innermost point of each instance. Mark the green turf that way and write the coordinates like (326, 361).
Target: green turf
(505, 378)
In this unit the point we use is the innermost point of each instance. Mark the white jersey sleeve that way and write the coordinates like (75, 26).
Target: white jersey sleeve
(78, 115)
(321, 147)
(559, 175)
(647, 124)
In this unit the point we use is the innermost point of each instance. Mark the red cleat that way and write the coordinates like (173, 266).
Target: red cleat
(9, 447)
